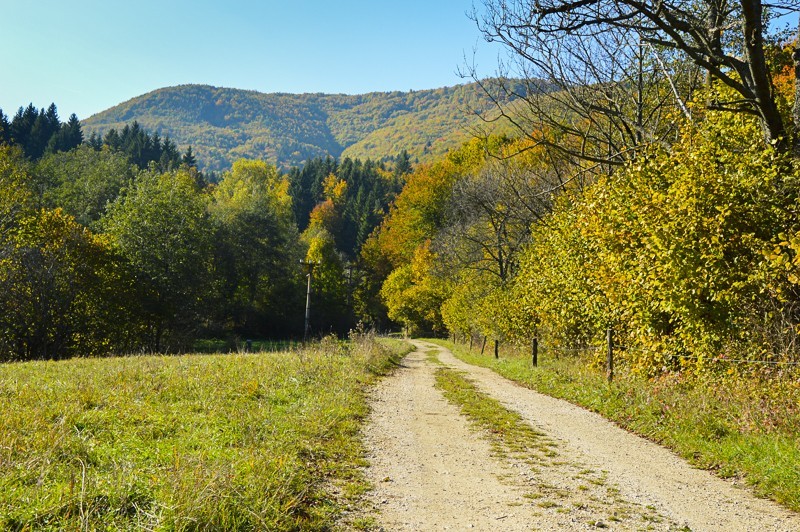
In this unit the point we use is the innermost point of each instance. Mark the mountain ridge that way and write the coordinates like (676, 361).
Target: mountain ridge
(225, 124)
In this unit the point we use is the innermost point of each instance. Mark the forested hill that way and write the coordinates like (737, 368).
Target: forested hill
(223, 125)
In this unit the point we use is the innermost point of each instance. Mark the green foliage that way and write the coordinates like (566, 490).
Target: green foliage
(366, 190)
(330, 310)
(144, 149)
(213, 442)
(83, 181)
(56, 299)
(56, 278)
(159, 225)
(414, 296)
(669, 251)
(256, 253)
(40, 131)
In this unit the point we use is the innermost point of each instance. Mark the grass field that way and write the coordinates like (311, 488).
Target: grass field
(223, 442)
(739, 425)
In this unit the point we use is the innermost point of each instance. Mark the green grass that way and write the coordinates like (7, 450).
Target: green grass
(225, 442)
(737, 425)
(507, 432)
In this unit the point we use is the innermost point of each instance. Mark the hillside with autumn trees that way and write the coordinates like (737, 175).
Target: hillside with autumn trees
(223, 125)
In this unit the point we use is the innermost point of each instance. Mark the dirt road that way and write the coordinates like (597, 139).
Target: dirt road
(433, 471)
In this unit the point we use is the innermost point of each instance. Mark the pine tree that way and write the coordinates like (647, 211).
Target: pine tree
(68, 137)
(22, 124)
(95, 141)
(113, 140)
(5, 129)
(74, 132)
(188, 158)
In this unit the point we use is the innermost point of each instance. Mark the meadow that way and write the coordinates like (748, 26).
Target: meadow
(195, 442)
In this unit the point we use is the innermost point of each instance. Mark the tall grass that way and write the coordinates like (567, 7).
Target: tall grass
(226, 442)
(738, 423)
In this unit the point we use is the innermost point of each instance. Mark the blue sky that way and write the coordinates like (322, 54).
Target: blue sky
(88, 55)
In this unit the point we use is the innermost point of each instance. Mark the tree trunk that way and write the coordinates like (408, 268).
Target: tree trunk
(760, 80)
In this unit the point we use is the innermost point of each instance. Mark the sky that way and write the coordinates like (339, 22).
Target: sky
(88, 55)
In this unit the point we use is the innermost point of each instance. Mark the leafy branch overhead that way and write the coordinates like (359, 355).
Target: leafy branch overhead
(618, 63)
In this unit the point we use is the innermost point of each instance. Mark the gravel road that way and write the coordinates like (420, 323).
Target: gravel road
(433, 471)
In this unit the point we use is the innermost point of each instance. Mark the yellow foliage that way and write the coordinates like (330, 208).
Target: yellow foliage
(335, 189)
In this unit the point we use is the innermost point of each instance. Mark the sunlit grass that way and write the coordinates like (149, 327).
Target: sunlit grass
(224, 442)
(737, 425)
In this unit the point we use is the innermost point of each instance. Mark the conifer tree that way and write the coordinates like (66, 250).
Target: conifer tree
(188, 158)
(22, 124)
(5, 128)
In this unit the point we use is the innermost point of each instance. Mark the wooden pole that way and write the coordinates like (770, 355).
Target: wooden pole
(610, 355)
(535, 352)
(496, 349)
(470, 342)
(484, 345)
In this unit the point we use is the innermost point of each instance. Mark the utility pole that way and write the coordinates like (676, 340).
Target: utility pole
(309, 264)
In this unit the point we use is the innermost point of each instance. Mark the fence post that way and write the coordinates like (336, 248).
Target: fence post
(535, 351)
(484, 345)
(496, 349)
(610, 355)
(470, 342)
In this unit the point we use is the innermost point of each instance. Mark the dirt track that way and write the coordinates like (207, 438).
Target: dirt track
(431, 471)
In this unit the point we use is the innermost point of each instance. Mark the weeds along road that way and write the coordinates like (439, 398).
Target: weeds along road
(434, 470)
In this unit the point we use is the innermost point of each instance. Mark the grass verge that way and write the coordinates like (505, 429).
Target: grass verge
(558, 484)
(509, 434)
(737, 425)
(225, 442)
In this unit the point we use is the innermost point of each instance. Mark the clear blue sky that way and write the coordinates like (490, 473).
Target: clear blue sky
(88, 55)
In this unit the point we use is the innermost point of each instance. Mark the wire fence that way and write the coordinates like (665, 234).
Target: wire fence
(611, 350)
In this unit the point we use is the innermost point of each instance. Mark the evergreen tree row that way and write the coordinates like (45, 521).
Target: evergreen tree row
(40, 131)
(142, 148)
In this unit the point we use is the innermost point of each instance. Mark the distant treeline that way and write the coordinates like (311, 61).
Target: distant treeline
(119, 245)
(40, 132)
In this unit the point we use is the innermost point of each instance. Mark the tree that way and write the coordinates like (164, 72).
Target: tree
(159, 225)
(5, 128)
(256, 251)
(490, 214)
(68, 137)
(84, 181)
(603, 46)
(188, 158)
(21, 126)
(17, 198)
(414, 294)
(330, 310)
(60, 296)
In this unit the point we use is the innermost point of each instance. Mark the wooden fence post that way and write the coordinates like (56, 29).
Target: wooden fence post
(535, 351)
(610, 355)
(484, 345)
(496, 349)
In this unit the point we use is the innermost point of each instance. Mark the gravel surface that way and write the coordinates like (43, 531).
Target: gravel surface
(432, 470)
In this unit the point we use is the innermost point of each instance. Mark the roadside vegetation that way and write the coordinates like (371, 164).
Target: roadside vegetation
(739, 424)
(262, 441)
